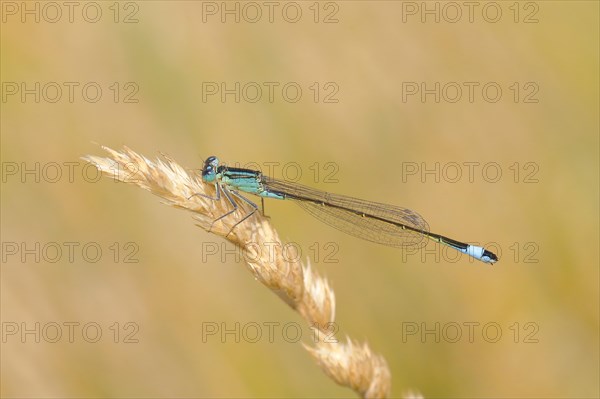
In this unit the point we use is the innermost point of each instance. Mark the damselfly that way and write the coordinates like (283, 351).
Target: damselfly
(372, 221)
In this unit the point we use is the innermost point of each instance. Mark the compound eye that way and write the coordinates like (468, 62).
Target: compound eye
(209, 171)
(211, 162)
(214, 161)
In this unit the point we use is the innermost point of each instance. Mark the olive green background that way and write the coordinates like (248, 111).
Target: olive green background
(543, 221)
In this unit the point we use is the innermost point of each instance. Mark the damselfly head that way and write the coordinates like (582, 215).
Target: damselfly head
(209, 170)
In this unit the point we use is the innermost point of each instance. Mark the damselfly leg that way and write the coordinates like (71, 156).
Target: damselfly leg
(228, 194)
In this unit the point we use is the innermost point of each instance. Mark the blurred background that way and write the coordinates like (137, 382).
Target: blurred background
(482, 117)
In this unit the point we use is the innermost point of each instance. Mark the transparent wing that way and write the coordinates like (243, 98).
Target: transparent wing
(372, 221)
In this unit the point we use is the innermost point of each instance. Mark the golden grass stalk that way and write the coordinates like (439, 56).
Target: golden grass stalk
(349, 364)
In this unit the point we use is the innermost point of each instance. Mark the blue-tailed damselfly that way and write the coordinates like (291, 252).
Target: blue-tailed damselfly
(381, 223)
